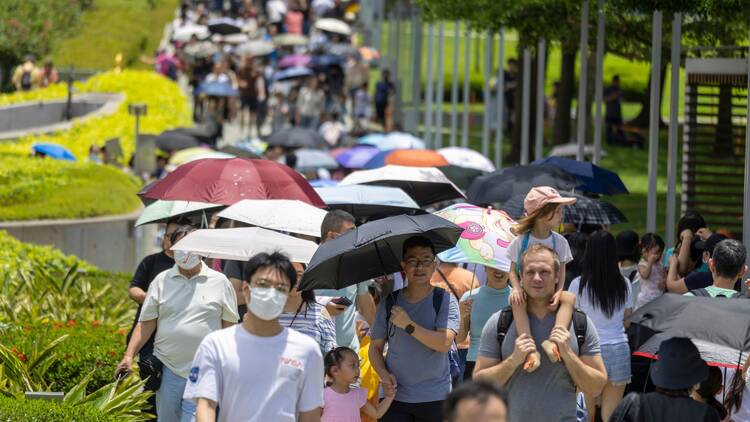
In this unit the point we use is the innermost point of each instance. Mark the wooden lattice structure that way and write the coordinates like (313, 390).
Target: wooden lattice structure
(714, 141)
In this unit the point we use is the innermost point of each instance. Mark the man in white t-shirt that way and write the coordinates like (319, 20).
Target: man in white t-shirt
(183, 304)
(259, 370)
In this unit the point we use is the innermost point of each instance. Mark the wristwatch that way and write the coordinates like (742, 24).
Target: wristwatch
(409, 329)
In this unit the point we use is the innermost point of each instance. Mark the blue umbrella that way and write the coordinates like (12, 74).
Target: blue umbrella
(366, 200)
(293, 72)
(313, 159)
(217, 89)
(591, 178)
(324, 183)
(326, 60)
(378, 160)
(53, 151)
(371, 139)
(357, 157)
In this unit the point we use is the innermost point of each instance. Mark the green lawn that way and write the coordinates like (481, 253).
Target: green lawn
(130, 27)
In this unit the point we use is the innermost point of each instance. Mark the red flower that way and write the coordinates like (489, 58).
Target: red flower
(122, 331)
(96, 323)
(72, 323)
(22, 357)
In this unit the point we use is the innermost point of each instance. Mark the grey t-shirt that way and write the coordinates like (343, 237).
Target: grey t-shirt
(422, 374)
(550, 383)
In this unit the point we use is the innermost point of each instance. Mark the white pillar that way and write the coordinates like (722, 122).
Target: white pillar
(526, 104)
(674, 99)
(438, 132)
(416, 70)
(467, 77)
(454, 84)
(583, 75)
(429, 89)
(598, 83)
(487, 74)
(653, 127)
(500, 101)
(541, 53)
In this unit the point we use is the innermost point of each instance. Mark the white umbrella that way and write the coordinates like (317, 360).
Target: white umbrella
(184, 33)
(468, 158)
(426, 185)
(278, 214)
(231, 38)
(255, 48)
(333, 25)
(242, 243)
(400, 140)
(162, 210)
(322, 6)
(313, 159)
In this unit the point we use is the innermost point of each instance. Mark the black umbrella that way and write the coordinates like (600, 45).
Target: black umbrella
(224, 26)
(296, 137)
(716, 325)
(585, 210)
(170, 141)
(238, 151)
(374, 249)
(462, 177)
(203, 134)
(502, 185)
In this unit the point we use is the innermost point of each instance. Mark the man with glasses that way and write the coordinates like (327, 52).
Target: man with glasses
(147, 270)
(259, 370)
(419, 328)
(185, 303)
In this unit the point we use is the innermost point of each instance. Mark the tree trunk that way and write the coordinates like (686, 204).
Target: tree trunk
(565, 96)
(642, 120)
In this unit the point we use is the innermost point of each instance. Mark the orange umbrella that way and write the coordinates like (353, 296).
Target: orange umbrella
(369, 54)
(416, 158)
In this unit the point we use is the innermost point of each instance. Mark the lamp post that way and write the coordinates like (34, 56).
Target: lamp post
(141, 162)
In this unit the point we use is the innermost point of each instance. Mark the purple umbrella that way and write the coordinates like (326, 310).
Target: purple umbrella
(294, 60)
(357, 157)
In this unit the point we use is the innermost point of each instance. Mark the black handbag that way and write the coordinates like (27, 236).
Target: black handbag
(150, 368)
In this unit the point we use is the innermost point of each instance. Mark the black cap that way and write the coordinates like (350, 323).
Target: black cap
(679, 366)
(627, 245)
(709, 244)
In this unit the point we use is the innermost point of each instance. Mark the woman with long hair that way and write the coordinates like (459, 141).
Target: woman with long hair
(604, 295)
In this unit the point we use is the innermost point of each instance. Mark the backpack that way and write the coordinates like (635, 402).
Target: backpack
(26, 80)
(702, 292)
(580, 324)
(437, 303)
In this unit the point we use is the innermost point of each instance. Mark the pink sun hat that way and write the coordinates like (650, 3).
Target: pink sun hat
(542, 195)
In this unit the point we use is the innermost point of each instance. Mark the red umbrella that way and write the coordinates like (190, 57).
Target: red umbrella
(226, 181)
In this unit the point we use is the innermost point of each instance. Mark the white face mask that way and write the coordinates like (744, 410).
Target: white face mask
(266, 302)
(186, 260)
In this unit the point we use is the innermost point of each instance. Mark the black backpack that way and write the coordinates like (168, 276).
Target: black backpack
(26, 80)
(580, 324)
(704, 293)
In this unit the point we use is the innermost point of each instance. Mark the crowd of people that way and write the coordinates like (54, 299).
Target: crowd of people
(546, 340)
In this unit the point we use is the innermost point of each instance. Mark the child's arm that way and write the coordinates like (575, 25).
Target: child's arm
(644, 269)
(518, 303)
(463, 331)
(377, 413)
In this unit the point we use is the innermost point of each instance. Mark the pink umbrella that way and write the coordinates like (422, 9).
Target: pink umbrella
(294, 60)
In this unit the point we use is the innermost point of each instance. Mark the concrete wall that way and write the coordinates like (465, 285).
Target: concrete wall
(111, 243)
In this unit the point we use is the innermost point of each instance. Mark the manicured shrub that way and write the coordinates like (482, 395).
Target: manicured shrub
(12, 410)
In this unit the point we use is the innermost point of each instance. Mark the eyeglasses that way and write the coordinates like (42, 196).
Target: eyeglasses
(416, 263)
(265, 283)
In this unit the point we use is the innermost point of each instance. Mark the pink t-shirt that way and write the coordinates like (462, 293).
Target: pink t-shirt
(339, 407)
(293, 22)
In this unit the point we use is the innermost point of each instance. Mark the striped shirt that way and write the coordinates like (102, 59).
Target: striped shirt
(311, 322)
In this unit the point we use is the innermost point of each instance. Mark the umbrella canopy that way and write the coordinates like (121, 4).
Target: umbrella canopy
(374, 249)
(161, 211)
(415, 158)
(294, 60)
(254, 48)
(226, 181)
(324, 183)
(591, 178)
(293, 72)
(357, 157)
(217, 89)
(174, 141)
(364, 201)
(584, 211)
(200, 133)
(371, 139)
(278, 214)
(185, 33)
(465, 157)
(53, 151)
(486, 237)
(368, 54)
(238, 151)
(290, 39)
(296, 137)
(712, 353)
(313, 159)
(426, 185)
(341, 49)
(462, 177)
(325, 61)
(238, 38)
(333, 25)
(378, 160)
(394, 140)
(197, 153)
(503, 185)
(201, 50)
(720, 322)
(242, 243)
(224, 26)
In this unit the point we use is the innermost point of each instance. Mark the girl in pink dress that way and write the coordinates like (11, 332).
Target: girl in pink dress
(341, 402)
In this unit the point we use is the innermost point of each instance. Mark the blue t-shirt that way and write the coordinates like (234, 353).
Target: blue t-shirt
(422, 374)
(487, 301)
(346, 321)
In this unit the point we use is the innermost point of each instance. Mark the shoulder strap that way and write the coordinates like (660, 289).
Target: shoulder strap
(437, 300)
(702, 292)
(503, 324)
(632, 275)
(390, 300)
(447, 283)
(580, 325)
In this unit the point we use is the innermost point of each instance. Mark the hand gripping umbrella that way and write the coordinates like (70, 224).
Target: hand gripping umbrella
(374, 249)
